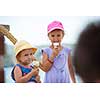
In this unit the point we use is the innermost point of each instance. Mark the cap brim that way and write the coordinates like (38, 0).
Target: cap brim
(55, 29)
(34, 50)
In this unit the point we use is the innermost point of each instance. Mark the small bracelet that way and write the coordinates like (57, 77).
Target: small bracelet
(50, 61)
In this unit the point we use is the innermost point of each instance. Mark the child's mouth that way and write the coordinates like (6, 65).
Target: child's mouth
(56, 44)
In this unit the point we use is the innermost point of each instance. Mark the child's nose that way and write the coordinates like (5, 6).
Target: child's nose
(55, 37)
(29, 56)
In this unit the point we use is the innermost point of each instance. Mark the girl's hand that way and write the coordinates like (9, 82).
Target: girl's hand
(55, 52)
(38, 79)
(35, 71)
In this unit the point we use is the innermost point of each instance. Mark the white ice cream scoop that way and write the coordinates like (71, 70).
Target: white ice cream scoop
(36, 63)
(56, 44)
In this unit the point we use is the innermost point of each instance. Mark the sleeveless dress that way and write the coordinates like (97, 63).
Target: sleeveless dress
(59, 72)
(24, 72)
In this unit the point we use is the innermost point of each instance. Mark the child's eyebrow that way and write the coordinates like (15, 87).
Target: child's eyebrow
(25, 54)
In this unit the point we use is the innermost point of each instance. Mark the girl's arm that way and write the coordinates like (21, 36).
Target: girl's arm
(23, 79)
(46, 63)
(71, 70)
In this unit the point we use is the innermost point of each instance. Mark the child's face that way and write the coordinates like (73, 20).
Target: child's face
(26, 57)
(56, 36)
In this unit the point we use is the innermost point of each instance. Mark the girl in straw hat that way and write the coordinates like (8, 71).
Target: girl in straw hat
(23, 72)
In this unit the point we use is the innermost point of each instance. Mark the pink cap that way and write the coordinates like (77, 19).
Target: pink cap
(55, 25)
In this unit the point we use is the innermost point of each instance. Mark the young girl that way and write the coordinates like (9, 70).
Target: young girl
(56, 60)
(23, 72)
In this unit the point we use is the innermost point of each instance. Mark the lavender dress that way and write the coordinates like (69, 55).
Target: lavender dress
(59, 72)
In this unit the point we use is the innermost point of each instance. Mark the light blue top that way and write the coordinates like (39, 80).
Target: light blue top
(59, 72)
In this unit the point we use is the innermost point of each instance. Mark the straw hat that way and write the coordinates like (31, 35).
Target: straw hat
(22, 45)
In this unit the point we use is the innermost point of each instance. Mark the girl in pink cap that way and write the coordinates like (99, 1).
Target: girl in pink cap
(56, 59)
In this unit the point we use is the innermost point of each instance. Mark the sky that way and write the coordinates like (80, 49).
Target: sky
(34, 28)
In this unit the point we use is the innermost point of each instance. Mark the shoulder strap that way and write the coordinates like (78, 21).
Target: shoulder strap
(12, 73)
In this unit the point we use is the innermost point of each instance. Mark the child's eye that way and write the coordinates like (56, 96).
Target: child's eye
(31, 53)
(52, 35)
(58, 35)
(26, 55)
